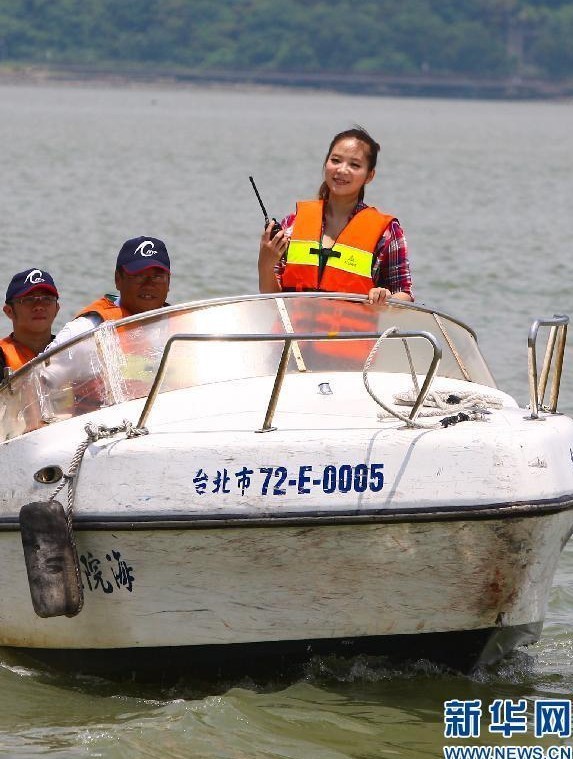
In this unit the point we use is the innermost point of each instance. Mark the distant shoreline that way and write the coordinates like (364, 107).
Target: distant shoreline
(420, 85)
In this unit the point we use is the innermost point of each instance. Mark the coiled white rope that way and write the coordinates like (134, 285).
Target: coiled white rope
(458, 405)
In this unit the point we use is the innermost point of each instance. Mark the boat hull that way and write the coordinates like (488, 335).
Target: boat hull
(278, 491)
(306, 587)
(461, 651)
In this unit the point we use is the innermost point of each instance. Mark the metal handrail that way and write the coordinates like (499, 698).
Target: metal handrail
(430, 374)
(281, 369)
(199, 305)
(555, 347)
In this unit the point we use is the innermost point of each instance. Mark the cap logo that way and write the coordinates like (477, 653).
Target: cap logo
(144, 249)
(34, 277)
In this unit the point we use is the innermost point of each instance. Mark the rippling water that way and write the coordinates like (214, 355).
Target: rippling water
(483, 190)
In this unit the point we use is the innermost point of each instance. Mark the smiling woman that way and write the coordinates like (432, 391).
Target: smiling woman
(337, 243)
(31, 305)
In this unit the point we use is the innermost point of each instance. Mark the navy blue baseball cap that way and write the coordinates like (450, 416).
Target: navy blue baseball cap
(27, 281)
(142, 253)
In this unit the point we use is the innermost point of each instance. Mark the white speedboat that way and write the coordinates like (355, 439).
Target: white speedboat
(266, 478)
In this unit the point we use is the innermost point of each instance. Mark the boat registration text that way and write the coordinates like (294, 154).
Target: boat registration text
(278, 480)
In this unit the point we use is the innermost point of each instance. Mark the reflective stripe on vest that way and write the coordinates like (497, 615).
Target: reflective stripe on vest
(349, 264)
(15, 354)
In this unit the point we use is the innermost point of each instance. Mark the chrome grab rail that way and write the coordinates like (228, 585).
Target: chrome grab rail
(430, 374)
(537, 386)
(281, 370)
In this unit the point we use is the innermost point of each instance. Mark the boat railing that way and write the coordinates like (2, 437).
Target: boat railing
(291, 341)
(553, 360)
(421, 393)
(117, 362)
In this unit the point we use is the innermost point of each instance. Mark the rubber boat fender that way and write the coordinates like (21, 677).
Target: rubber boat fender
(51, 560)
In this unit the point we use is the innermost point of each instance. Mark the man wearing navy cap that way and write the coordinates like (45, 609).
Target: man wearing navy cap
(32, 305)
(142, 276)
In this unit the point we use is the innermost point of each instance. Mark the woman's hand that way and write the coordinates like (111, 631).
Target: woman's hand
(378, 295)
(274, 248)
(270, 253)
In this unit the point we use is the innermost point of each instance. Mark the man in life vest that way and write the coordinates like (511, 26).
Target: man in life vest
(142, 277)
(31, 305)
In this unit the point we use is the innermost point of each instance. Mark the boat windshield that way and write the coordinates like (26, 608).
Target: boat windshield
(228, 339)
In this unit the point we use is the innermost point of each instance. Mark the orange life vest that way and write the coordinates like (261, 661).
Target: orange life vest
(106, 308)
(348, 265)
(338, 316)
(135, 346)
(15, 354)
(90, 394)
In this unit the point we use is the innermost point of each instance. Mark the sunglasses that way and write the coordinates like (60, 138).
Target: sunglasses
(35, 300)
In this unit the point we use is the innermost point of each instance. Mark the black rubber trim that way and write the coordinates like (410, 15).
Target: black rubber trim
(296, 519)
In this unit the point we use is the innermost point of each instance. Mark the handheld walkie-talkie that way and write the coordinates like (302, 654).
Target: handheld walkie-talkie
(276, 226)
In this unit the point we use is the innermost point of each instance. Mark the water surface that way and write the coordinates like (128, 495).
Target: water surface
(483, 190)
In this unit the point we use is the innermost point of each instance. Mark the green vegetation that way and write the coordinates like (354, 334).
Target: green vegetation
(487, 38)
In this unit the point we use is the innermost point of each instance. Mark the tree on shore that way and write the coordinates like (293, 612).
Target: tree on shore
(482, 38)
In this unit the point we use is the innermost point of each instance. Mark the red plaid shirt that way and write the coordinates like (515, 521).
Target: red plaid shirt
(391, 267)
